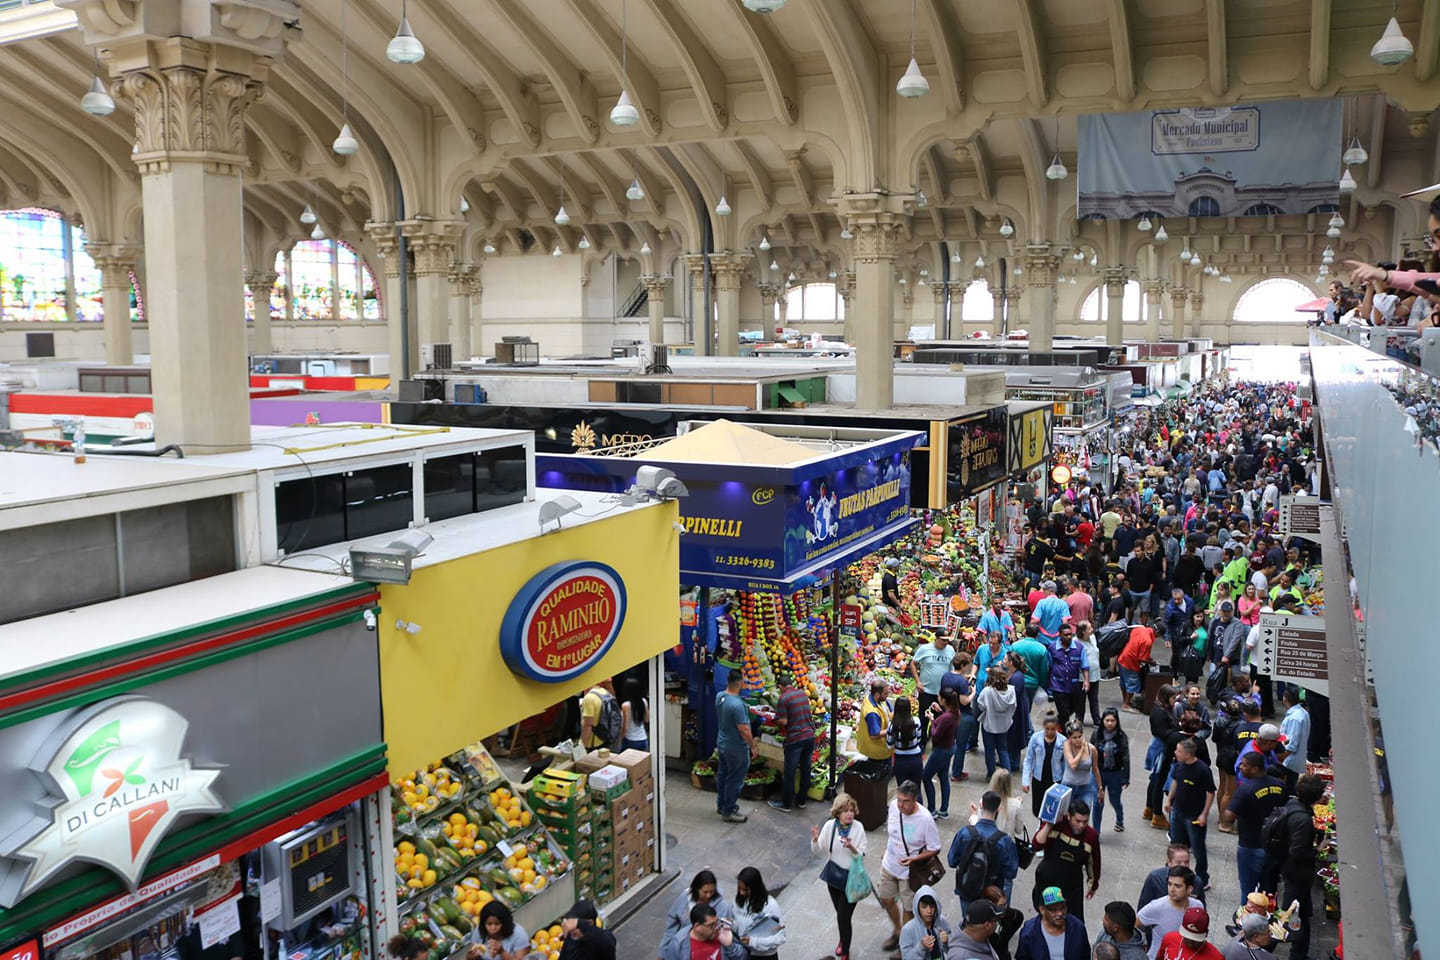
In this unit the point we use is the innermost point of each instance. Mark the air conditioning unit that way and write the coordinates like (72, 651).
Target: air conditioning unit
(436, 356)
(517, 351)
(659, 359)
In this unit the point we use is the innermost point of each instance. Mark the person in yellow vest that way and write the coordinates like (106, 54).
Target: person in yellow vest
(874, 722)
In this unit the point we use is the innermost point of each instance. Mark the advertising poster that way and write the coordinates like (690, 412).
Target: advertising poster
(827, 515)
(977, 454)
(1248, 160)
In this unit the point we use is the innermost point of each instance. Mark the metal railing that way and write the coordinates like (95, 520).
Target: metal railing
(12, 4)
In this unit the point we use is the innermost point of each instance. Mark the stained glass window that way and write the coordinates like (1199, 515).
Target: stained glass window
(38, 249)
(317, 273)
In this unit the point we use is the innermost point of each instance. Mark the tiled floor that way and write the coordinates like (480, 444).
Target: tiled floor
(778, 844)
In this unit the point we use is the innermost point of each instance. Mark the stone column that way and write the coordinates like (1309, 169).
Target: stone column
(1154, 291)
(387, 245)
(474, 290)
(115, 263)
(1042, 267)
(875, 221)
(1179, 296)
(262, 289)
(432, 249)
(695, 266)
(190, 96)
(769, 293)
(1012, 298)
(1114, 304)
(997, 308)
(906, 319)
(1197, 304)
(460, 281)
(728, 268)
(655, 287)
(939, 289)
(846, 283)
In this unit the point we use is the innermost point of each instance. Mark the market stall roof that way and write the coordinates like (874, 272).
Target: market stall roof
(724, 441)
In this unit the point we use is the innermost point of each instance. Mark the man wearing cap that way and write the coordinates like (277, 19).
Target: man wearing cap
(1267, 739)
(1253, 942)
(1190, 942)
(1227, 636)
(585, 939)
(1054, 933)
(889, 586)
(972, 942)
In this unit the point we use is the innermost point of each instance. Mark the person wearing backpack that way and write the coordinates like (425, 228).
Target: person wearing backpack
(1249, 810)
(983, 855)
(600, 719)
(1289, 840)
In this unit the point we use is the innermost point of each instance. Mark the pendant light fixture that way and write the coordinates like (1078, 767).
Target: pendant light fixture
(557, 253)
(317, 233)
(1354, 154)
(1333, 233)
(764, 242)
(307, 216)
(1185, 252)
(561, 217)
(846, 234)
(1347, 182)
(645, 248)
(924, 271)
(1094, 260)
(1072, 280)
(634, 192)
(980, 263)
(1007, 229)
(584, 243)
(345, 144)
(1078, 255)
(791, 278)
(722, 209)
(489, 247)
(955, 255)
(464, 204)
(624, 113)
(833, 274)
(913, 84)
(1056, 170)
(1336, 220)
(763, 6)
(1195, 260)
(1144, 226)
(902, 280)
(774, 264)
(1160, 235)
(97, 100)
(404, 47)
(921, 201)
(1393, 47)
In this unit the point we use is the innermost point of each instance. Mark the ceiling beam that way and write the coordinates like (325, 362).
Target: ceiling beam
(303, 114)
(938, 192)
(282, 144)
(616, 200)
(1032, 52)
(1219, 55)
(705, 76)
(1032, 156)
(268, 211)
(945, 47)
(497, 186)
(629, 69)
(1429, 43)
(755, 173)
(776, 67)
(1122, 49)
(800, 174)
(980, 156)
(109, 144)
(539, 189)
(818, 226)
(1320, 43)
(577, 193)
(505, 85)
(654, 189)
(855, 64)
(570, 84)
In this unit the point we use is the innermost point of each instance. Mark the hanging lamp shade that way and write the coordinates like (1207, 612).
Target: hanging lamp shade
(846, 234)
(645, 248)
(1336, 220)
(561, 217)
(1195, 260)
(584, 243)
(1393, 47)
(1007, 229)
(921, 201)
(1144, 225)
(722, 209)
(833, 274)
(913, 84)
(764, 243)
(624, 113)
(557, 252)
(1160, 235)
(404, 47)
(955, 257)
(1057, 169)
(97, 100)
(1333, 233)
(634, 191)
(489, 247)
(345, 143)
(1185, 252)
(307, 216)
(1354, 154)
(317, 233)
(763, 6)
(980, 263)
(1347, 182)
(1078, 255)
(774, 264)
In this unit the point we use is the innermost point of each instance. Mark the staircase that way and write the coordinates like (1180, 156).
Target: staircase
(635, 304)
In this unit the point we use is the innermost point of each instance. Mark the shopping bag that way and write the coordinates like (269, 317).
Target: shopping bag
(857, 887)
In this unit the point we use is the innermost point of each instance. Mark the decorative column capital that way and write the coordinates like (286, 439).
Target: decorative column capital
(114, 261)
(727, 268)
(460, 275)
(695, 266)
(432, 244)
(1153, 288)
(258, 280)
(907, 298)
(846, 283)
(1042, 266)
(387, 246)
(655, 285)
(1196, 298)
(1012, 294)
(1115, 279)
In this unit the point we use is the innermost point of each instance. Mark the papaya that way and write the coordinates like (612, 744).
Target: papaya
(423, 845)
(511, 895)
(463, 924)
(451, 908)
(451, 933)
(437, 913)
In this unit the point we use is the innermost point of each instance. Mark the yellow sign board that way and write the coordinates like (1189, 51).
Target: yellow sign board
(448, 684)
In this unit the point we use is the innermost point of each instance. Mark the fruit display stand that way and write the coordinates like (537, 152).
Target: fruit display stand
(464, 837)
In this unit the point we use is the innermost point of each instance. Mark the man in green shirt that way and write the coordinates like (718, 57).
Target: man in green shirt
(928, 666)
(1037, 663)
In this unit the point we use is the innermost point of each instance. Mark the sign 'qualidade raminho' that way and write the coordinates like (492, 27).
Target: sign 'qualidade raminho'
(563, 621)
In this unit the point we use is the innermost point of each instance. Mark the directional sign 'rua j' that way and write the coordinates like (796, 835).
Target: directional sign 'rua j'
(1300, 517)
(1292, 648)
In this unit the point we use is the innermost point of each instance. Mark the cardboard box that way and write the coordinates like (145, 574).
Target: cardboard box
(559, 784)
(595, 760)
(609, 777)
(1056, 803)
(636, 764)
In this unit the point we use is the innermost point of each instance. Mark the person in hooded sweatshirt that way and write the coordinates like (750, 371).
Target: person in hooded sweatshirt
(997, 713)
(703, 889)
(928, 934)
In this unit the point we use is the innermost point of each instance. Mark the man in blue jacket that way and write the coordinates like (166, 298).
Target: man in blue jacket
(1054, 921)
(1004, 862)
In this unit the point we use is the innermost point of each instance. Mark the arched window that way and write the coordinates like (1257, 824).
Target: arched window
(818, 302)
(1273, 301)
(1324, 208)
(1204, 207)
(1152, 215)
(315, 275)
(42, 259)
(1262, 210)
(1094, 216)
(979, 303)
(1132, 312)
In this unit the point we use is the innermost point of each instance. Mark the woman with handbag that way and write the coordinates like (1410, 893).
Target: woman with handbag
(843, 841)
(1190, 657)
(758, 926)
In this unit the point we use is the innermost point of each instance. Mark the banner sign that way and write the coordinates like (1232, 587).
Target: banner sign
(1252, 160)
(976, 454)
(826, 514)
(1299, 517)
(1292, 648)
(1029, 439)
(562, 621)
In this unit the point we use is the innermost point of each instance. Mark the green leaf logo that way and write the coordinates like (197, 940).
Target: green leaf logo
(82, 765)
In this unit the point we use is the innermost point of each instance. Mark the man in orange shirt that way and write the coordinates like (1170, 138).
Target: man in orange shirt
(1133, 658)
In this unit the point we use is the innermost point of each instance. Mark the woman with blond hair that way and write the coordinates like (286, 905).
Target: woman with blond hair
(842, 839)
(1012, 812)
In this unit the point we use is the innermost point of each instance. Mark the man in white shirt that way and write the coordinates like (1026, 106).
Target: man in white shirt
(1164, 914)
(910, 836)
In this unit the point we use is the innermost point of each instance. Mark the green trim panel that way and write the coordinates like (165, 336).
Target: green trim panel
(92, 694)
(95, 885)
(135, 648)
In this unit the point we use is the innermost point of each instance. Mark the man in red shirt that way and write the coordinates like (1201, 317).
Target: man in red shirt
(1133, 658)
(1082, 608)
(1190, 942)
(1084, 533)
